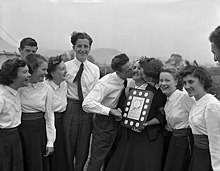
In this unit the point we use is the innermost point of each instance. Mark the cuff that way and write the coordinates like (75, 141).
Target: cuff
(105, 110)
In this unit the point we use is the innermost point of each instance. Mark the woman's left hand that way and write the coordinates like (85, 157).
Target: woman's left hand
(49, 151)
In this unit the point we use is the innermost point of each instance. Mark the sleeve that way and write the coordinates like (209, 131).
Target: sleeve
(187, 102)
(1, 104)
(92, 102)
(50, 121)
(212, 118)
(160, 99)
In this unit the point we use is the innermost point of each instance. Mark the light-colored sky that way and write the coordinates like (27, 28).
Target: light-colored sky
(137, 27)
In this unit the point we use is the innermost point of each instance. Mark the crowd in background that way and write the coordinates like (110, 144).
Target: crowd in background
(54, 113)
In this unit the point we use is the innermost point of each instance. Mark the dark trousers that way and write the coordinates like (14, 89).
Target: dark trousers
(77, 130)
(11, 158)
(104, 134)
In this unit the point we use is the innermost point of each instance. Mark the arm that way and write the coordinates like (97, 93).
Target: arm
(92, 102)
(212, 119)
(50, 123)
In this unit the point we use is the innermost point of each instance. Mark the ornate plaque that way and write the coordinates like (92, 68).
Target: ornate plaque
(137, 108)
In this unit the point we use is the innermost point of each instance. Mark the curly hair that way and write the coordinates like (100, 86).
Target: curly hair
(78, 35)
(198, 72)
(9, 70)
(53, 62)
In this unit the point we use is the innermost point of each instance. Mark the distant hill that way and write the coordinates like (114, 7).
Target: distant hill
(104, 55)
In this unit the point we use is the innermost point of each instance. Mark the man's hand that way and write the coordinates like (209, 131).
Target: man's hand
(116, 113)
(49, 151)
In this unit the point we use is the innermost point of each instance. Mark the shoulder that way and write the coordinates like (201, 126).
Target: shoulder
(93, 66)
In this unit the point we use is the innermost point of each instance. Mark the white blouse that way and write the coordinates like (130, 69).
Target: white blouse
(38, 98)
(59, 98)
(204, 118)
(10, 107)
(177, 110)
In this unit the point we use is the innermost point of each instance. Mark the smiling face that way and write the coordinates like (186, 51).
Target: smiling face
(193, 86)
(167, 83)
(216, 52)
(82, 49)
(22, 78)
(137, 71)
(60, 72)
(39, 74)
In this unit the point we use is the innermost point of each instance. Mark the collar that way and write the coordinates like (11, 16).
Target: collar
(53, 85)
(173, 96)
(120, 81)
(11, 90)
(78, 63)
(35, 85)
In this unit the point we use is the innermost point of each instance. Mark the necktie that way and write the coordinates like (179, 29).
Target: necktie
(78, 81)
(122, 97)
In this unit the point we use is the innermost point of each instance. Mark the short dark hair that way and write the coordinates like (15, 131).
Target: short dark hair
(52, 65)
(34, 60)
(198, 72)
(151, 67)
(78, 35)
(175, 73)
(28, 41)
(118, 61)
(9, 70)
(215, 36)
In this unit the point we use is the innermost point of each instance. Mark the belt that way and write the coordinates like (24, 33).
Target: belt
(58, 115)
(32, 116)
(201, 141)
(182, 132)
(8, 129)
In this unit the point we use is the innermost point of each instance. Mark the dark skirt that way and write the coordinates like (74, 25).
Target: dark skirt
(33, 139)
(10, 150)
(179, 153)
(136, 152)
(201, 160)
(58, 160)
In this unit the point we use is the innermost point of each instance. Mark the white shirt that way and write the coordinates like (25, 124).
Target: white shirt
(10, 107)
(204, 118)
(177, 110)
(89, 77)
(59, 98)
(104, 95)
(38, 98)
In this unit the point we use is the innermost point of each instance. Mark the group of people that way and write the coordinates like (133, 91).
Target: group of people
(52, 113)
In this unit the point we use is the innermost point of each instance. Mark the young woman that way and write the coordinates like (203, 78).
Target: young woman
(204, 120)
(142, 150)
(55, 80)
(37, 128)
(177, 110)
(13, 75)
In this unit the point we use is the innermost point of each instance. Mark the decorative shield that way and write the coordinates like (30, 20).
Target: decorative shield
(137, 108)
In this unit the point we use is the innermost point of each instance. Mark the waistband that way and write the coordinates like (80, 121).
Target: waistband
(182, 132)
(32, 116)
(201, 141)
(58, 115)
(74, 100)
(8, 129)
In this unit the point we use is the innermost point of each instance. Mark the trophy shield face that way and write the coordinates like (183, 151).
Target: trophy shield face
(137, 108)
